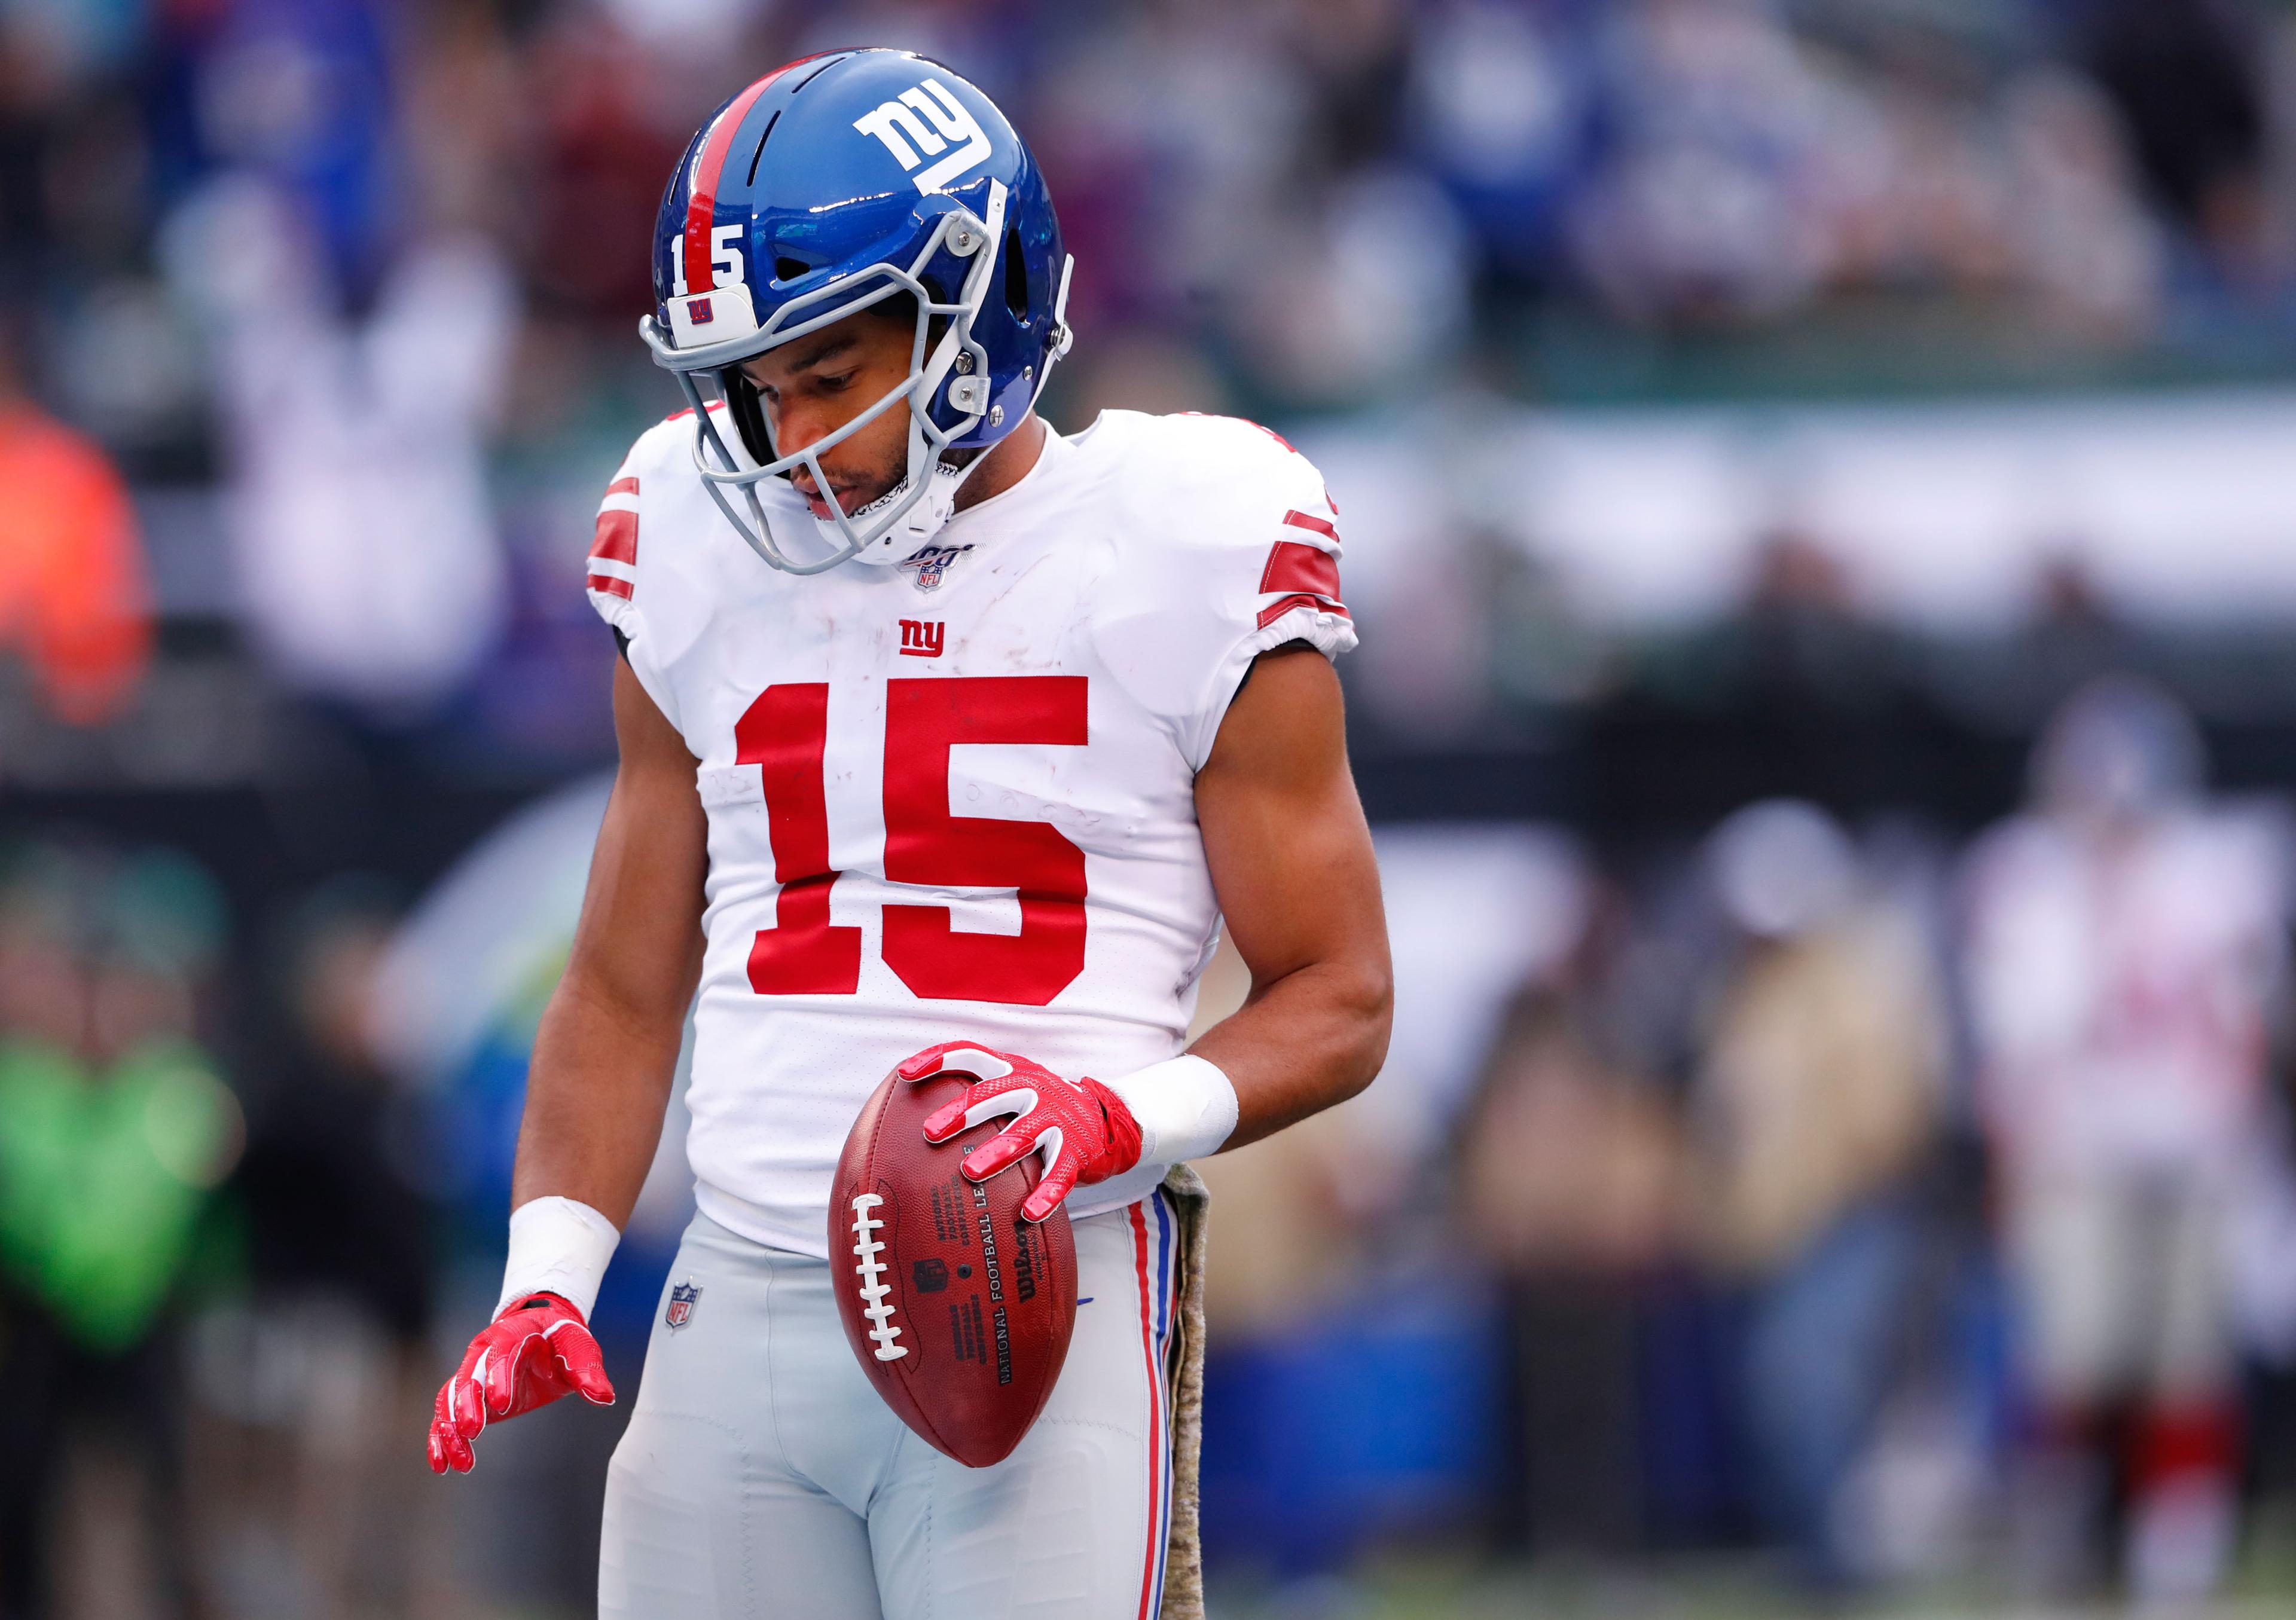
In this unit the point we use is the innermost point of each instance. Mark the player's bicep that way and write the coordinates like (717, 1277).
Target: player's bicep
(1284, 832)
(639, 941)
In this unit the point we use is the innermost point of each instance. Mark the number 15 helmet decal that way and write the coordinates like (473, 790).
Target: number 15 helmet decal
(828, 186)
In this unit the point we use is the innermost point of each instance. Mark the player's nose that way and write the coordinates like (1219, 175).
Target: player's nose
(799, 426)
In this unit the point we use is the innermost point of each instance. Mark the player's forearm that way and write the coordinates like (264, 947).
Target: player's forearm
(1303, 1042)
(594, 1099)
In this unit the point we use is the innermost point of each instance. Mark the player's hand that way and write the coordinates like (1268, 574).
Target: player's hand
(1082, 1128)
(537, 1350)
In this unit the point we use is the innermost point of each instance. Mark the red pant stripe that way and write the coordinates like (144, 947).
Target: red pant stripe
(1155, 1409)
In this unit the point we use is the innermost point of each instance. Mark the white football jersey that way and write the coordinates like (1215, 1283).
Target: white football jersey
(955, 799)
(2121, 995)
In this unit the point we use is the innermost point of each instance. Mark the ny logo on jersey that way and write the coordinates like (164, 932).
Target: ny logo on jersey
(907, 137)
(931, 562)
(922, 638)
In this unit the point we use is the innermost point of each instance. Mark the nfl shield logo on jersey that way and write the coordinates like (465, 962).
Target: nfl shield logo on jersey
(682, 1301)
(931, 562)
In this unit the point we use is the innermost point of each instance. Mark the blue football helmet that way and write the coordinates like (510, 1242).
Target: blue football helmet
(829, 185)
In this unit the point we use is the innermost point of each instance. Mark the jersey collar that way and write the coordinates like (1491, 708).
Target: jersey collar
(1054, 451)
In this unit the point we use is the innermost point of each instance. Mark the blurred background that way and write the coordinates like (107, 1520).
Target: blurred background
(1819, 488)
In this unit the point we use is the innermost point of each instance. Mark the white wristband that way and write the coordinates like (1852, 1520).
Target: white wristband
(1184, 1106)
(557, 1245)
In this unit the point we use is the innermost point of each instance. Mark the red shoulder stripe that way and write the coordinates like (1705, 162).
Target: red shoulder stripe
(617, 538)
(1297, 519)
(1294, 567)
(1268, 615)
(1311, 576)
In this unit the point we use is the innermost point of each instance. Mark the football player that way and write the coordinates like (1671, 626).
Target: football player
(936, 728)
(2127, 961)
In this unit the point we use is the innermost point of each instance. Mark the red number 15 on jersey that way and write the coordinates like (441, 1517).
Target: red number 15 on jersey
(785, 733)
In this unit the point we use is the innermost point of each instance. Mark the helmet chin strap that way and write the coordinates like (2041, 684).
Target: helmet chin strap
(922, 520)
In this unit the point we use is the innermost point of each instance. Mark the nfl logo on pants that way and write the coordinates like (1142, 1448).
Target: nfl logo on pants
(682, 1299)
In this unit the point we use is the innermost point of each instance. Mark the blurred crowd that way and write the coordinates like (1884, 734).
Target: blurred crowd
(1317, 197)
(345, 291)
(216, 1253)
(1910, 1211)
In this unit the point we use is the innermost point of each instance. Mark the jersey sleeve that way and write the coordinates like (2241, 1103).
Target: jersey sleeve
(1261, 567)
(615, 582)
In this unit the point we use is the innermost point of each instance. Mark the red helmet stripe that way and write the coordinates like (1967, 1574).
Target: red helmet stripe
(701, 206)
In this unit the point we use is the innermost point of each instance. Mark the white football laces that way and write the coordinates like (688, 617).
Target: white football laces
(874, 1288)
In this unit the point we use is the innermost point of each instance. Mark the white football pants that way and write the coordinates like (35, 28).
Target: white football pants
(761, 1475)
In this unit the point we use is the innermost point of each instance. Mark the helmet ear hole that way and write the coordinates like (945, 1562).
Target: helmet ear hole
(787, 269)
(1016, 277)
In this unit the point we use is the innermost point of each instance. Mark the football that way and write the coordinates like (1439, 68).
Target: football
(958, 1310)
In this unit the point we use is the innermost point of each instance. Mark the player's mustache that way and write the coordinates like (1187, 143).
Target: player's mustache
(850, 494)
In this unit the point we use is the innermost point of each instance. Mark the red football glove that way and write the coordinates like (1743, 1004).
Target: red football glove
(529, 1355)
(1082, 1128)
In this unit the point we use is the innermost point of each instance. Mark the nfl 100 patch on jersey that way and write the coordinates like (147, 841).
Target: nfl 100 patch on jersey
(930, 564)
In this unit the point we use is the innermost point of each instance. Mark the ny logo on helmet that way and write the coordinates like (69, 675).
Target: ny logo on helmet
(897, 123)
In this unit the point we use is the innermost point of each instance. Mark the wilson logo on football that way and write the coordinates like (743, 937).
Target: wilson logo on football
(871, 1270)
(924, 123)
